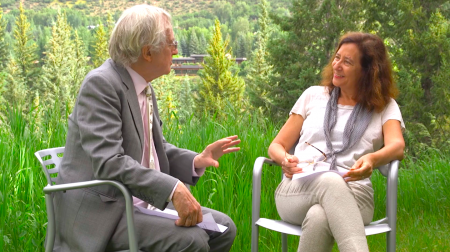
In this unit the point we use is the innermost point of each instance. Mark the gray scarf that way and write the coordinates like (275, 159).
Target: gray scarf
(354, 129)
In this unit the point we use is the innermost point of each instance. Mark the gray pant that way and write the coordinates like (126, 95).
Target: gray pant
(327, 208)
(160, 234)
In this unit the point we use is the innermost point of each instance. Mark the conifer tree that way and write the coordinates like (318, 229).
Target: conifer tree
(3, 45)
(81, 63)
(180, 50)
(258, 77)
(203, 44)
(241, 50)
(109, 25)
(101, 46)
(184, 46)
(25, 50)
(219, 86)
(60, 64)
(3, 83)
(16, 91)
(194, 44)
(185, 98)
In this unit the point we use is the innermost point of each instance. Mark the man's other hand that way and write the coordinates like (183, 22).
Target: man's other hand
(214, 151)
(188, 208)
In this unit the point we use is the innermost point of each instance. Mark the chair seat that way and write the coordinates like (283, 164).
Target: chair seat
(280, 226)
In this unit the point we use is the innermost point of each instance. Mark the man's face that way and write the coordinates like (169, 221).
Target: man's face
(162, 60)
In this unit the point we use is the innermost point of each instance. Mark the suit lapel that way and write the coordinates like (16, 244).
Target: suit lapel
(132, 99)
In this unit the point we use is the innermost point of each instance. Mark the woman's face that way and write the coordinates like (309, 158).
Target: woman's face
(347, 67)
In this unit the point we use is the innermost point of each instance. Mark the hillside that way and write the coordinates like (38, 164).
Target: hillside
(99, 7)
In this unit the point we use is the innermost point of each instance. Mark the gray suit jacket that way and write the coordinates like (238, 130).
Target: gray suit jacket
(105, 141)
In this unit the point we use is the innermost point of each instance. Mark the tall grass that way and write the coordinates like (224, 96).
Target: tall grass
(423, 212)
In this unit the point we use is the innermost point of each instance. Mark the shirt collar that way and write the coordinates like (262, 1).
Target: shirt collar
(139, 83)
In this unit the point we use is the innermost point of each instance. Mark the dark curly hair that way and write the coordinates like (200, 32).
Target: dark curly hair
(376, 86)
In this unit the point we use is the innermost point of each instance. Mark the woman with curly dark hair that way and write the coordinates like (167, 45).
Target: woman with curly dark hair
(350, 124)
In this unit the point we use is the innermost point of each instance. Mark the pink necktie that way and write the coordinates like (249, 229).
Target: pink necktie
(151, 160)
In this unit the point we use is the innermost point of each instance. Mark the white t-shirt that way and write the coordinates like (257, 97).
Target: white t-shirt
(312, 105)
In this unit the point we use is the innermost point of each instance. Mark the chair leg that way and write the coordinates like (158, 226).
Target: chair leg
(50, 237)
(284, 243)
(255, 238)
(391, 240)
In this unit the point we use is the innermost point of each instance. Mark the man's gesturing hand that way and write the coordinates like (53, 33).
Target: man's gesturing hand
(188, 208)
(214, 151)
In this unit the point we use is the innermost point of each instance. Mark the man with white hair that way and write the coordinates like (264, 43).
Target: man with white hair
(115, 134)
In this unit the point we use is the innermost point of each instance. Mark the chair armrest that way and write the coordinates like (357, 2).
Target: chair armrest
(256, 196)
(391, 193)
(256, 191)
(85, 184)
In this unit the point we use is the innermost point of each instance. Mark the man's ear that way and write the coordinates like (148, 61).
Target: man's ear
(146, 53)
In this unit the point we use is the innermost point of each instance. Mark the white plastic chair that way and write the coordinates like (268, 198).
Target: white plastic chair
(386, 225)
(49, 157)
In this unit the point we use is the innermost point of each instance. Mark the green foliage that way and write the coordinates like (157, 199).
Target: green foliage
(25, 50)
(100, 53)
(194, 44)
(305, 46)
(183, 46)
(81, 66)
(259, 70)
(166, 88)
(16, 90)
(423, 215)
(110, 23)
(223, 11)
(220, 87)
(63, 67)
(203, 44)
(4, 51)
(418, 35)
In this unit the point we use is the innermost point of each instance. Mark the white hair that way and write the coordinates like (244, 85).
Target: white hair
(138, 26)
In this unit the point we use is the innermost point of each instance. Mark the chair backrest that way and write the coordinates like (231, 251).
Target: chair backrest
(50, 160)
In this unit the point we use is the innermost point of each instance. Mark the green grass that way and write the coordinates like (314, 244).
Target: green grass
(423, 205)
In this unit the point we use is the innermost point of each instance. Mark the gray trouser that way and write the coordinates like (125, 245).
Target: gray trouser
(327, 208)
(160, 234)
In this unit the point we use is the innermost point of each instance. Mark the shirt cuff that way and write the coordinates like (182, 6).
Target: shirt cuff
(173, 190)
(197, 172)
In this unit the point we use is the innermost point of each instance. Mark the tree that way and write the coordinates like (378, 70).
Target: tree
(16, 92)
(109, 25)
(304, 46)
(203, 44)
(4, 54)
(25, 50)
(183, 46)
(223, 11)
(219, 86)
(420, 49)
(81, 63)
(60, 66)
(100, 47)
(258, 77)
(194, 44)
(241, 44)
